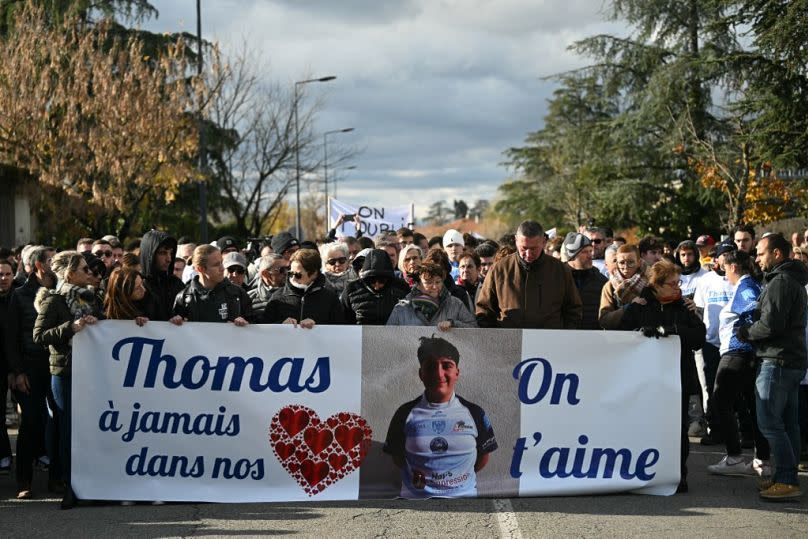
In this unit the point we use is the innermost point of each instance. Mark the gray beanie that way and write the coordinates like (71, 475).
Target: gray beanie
(574, 244)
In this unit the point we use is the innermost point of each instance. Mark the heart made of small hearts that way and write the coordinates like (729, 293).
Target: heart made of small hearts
(318, 453)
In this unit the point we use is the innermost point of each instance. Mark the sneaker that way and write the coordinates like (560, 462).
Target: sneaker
(24, 494)
(781, 491)
(696, 430)
(759, 468)
(5, 465)
(730, 466)
(764, 484)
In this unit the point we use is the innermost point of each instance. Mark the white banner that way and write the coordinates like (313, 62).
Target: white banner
(375, 219)
(213, 412)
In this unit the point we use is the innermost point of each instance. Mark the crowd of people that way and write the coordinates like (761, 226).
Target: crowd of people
(738, 307)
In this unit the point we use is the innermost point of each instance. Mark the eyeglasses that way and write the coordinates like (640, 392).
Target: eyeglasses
(336, 261)
(295, 274)
(597, 241)
(281, 270)
(412, 258)
(237, 270)
(673, 284)
(106, 254)
(432, 282)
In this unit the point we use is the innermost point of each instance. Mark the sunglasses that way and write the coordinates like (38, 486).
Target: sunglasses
(106, 254)
(597, 241)
(281, 270)
(295, 274)
(237, 270)
(336, 261)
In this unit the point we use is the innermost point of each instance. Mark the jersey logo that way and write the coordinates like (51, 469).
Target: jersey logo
(223, 311)
(438, 445)
(438, 426)
(461, 426)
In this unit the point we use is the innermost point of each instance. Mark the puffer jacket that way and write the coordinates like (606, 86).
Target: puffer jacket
(223, 303)
(365, 306)
(161, 287)
(318, 302)
(778, 333)
(53, 328)
(449, 308)
(22, 353)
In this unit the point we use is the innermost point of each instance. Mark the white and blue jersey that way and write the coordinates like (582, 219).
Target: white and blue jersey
(439, 443)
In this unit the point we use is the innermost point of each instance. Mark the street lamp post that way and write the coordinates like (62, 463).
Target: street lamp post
(203, 156)
(298, 228)
(325, 166)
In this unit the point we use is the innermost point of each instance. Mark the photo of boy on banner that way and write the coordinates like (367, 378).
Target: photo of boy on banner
(439, 440)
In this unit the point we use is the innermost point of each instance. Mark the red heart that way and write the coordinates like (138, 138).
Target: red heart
(337, 461)
(348, 438)
(293, 421)
(298, 436)
(318, 438)
(314, 472)
(284, 451)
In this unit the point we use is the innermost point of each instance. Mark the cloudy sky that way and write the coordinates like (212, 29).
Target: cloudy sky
(436, 89)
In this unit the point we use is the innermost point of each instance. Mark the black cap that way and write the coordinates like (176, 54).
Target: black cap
(227, 242)
(724, 247)
(283, 241)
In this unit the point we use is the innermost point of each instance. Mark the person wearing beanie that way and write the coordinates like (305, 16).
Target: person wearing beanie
(454, 245)
(228, 244)
(285, 245)
(588, 279)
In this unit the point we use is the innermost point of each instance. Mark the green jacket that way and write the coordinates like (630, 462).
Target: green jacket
(53, 328)
(778, 333)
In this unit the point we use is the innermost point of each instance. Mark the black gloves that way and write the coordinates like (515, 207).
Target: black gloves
(658, 331)
(649, 331)
(742, 333)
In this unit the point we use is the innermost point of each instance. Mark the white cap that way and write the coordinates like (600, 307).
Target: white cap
(452, 236)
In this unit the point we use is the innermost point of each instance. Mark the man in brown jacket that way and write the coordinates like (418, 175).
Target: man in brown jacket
(529, 289)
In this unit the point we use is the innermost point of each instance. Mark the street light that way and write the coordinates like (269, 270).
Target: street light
(298, 228)
(203, 156)
(325, 163)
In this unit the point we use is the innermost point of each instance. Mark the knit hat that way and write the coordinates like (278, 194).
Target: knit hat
(452, 236)
(283, 241)
(574, 243)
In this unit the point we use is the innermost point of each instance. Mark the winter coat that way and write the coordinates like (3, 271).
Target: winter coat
(259, 296)
(539, 295)
(22, 353)
(318, 302)
(223, 303)
(590, 284)
(161, 287)
(449, 308)
(54, 328)
(365, 306)
(339, 282)
(778, 333)
(677, 319)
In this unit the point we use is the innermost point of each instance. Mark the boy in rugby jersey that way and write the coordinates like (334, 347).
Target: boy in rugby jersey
(439, 440)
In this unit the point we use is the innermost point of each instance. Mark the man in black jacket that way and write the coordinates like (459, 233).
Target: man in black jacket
(370, 299)
(157, 252)
(778, 335)
(588, 279)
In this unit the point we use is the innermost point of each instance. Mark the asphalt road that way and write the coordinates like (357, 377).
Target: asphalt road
(715, 507)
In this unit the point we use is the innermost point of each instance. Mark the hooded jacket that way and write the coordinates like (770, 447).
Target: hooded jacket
(22, 353)
(318, 302)
(539, 295)
(365, 306)
(161, 287)
(778, 333)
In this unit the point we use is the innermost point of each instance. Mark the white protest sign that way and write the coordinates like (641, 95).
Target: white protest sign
(375, 219)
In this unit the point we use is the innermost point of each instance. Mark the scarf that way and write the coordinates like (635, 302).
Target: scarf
(693, 268)
(423, 303)
(632, 288)
(79, 300)
(664, 300)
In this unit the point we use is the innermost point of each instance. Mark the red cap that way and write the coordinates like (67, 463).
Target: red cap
(705, 240)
